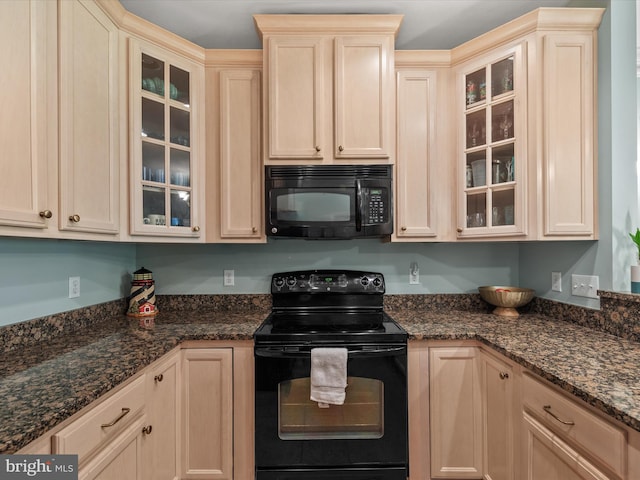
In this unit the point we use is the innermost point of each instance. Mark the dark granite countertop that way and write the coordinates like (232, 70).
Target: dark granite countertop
(42, 386)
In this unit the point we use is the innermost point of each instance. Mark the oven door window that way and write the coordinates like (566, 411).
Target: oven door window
(360, 417)
(294, 205)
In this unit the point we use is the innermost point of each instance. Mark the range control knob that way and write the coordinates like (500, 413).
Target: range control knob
(278, 281)
(364, 281)
(291, 281)
(377, 282)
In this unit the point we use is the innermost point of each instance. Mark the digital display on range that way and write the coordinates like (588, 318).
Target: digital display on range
(328, 281)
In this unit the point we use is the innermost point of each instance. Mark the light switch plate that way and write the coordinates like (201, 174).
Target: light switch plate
(585, 285)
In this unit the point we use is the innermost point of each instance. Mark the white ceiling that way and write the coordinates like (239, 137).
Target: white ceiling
(427, 24)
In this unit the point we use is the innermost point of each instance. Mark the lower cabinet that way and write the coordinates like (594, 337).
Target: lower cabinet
(188, 415)
(498, 418)
(108, 438)
(160, 453)
(207, 420)
(455, 412)
(547, 457)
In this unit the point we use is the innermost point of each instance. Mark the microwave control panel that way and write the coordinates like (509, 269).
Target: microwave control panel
(375, 208)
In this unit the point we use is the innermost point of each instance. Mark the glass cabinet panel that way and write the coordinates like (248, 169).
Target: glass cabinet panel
(165, 168)
(490, 148)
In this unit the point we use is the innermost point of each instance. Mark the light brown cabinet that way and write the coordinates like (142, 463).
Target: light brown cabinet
(207, 414)
(59, 129)
(499, 418)
(423, 201)
(328, 87)
(28, 46)
(166, 138)
(108, 438)
(527, 128)
(89, 185)
(160, 453)
(234, 150)
(455, 412)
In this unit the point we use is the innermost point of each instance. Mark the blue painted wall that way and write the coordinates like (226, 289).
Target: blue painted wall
(34, 275)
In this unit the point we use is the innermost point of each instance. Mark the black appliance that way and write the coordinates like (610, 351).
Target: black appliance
(366, 437)
(329, 201)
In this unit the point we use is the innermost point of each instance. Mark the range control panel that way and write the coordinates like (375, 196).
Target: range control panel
(327, 281)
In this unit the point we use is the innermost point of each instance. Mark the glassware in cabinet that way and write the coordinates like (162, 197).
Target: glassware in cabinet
(163, 190)
(491, 148)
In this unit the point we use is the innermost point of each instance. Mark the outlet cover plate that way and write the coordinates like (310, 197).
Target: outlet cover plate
(556, 281)
(74, 287)
(228, 278)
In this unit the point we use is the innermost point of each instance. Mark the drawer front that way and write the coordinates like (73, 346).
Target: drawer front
(102, 422)
(597, 437)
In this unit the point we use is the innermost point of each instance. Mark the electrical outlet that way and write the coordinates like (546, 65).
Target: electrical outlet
(414, 274)
(74, 287)
(585, 285)
(556, 281)
(228, 278)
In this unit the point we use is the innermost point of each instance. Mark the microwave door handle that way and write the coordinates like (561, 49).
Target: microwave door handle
(358, 205)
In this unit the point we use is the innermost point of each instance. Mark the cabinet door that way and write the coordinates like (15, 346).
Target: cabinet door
(492, 92)
(26, 40)
(207, 404)
(455, 413)
(296, 99)
(120, 459)
(547, 457)
(160, 447)
(569, 149)
(166, 135)
(364, 97)
(416, 213)
(88, 60)
(498, 416)
(241, 184)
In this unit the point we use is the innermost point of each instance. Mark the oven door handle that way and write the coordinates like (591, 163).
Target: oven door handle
(287, 352)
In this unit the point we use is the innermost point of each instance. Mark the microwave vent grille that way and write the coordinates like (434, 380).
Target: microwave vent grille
(310, 171)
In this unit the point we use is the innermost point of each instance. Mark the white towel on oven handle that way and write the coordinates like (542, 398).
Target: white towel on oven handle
(328, 375)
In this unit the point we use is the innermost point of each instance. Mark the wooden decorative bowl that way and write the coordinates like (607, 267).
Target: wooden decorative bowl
(506, 299)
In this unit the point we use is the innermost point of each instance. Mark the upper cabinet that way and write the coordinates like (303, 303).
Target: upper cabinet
(166, 159)
(424, 147)
(235, 181)
(491, 97)
(59, 125)
(527, 131)
(28, 45)
(89, 157)
(328, 87)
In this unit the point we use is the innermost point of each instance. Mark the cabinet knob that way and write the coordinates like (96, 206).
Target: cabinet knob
(46, 214)
(75, 218)
(459, 230)
(195, 228)
(504, 375)
(340, 148)
(158, 378)
(147, 430)
(254, 230)
(404, 229)
(318, 148)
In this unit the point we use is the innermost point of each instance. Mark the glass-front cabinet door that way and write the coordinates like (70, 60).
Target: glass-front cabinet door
(492, 146)
(165, 182)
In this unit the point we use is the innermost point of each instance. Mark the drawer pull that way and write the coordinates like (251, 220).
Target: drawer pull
(158, 378)
(547, 408)
(147, 430)
(120, 417)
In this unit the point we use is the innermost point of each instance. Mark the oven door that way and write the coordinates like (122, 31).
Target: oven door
(368, 431)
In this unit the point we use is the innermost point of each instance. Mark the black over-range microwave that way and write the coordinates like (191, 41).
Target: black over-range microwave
(328, 201)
